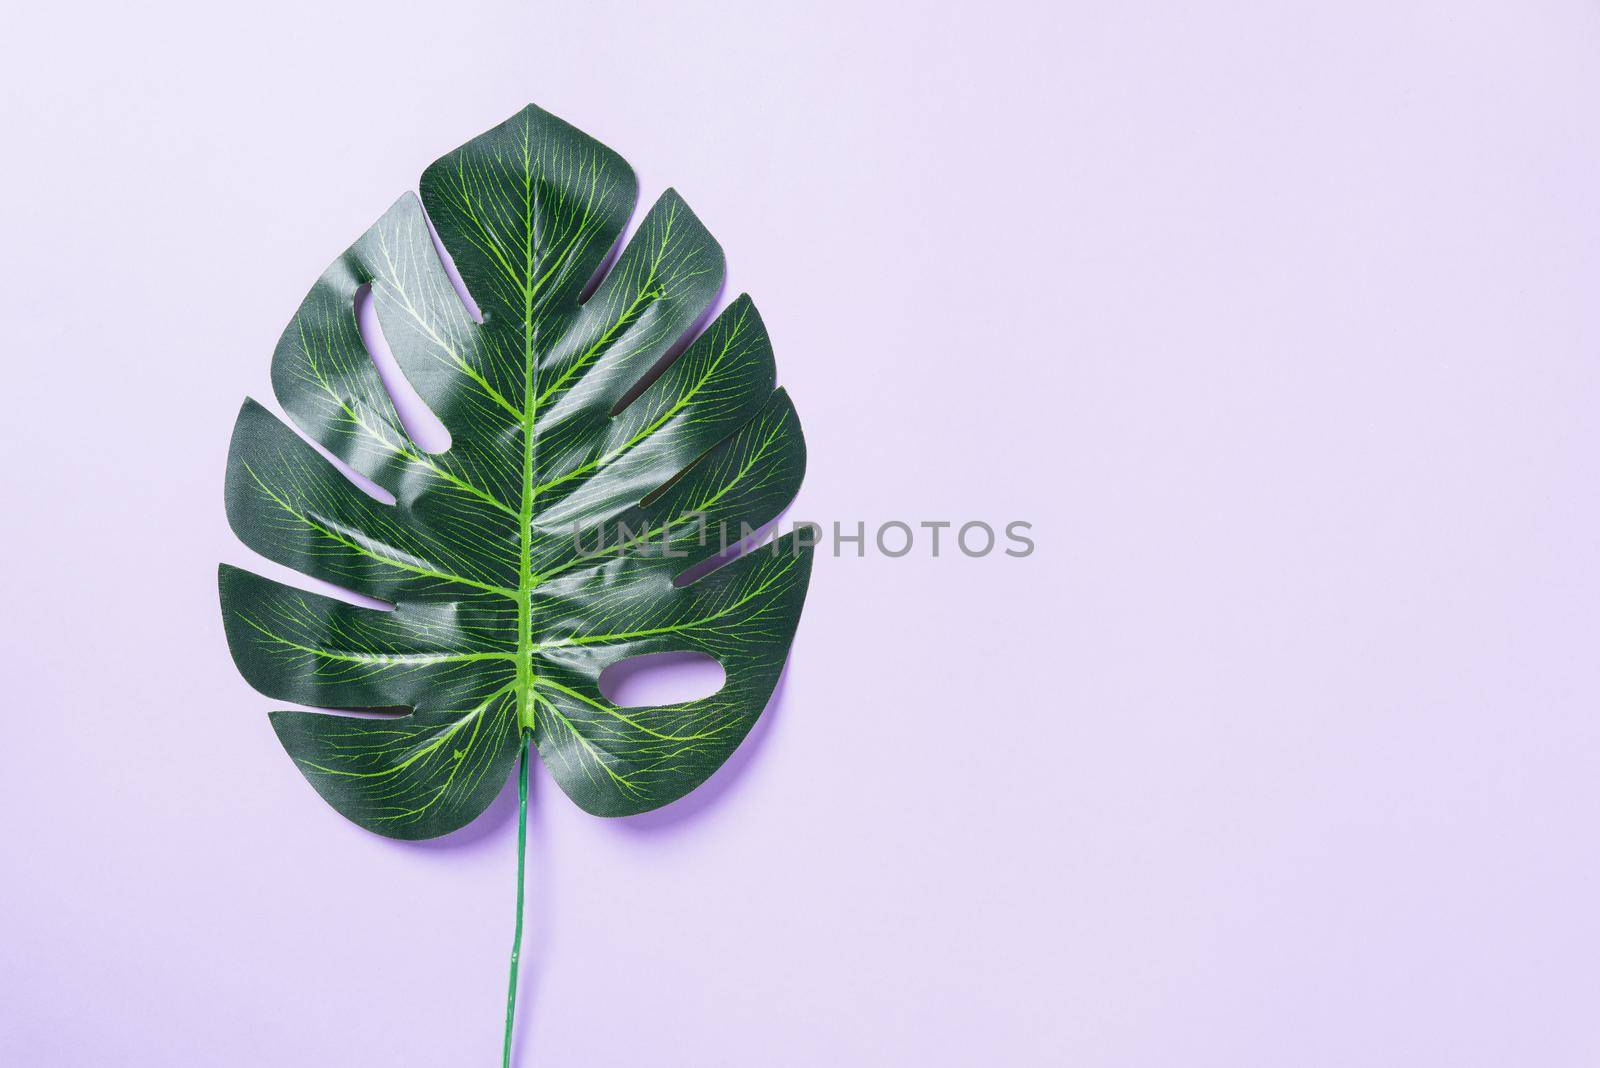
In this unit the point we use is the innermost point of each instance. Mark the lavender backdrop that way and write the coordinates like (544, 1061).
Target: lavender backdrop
(1277, 319)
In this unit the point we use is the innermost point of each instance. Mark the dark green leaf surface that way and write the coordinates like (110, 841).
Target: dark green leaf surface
(500, 623)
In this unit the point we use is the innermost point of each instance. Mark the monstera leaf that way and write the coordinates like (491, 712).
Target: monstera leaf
(587, 471)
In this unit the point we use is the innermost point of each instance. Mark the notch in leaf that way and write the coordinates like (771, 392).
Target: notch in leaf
(504, 615)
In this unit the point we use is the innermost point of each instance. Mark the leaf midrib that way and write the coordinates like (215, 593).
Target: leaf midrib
(525, 680)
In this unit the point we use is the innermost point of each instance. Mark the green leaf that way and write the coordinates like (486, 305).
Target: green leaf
(510, 583)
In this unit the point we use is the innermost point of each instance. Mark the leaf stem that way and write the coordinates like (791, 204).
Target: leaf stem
(522, 853)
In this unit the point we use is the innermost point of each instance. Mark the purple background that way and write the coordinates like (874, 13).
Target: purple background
(1277, 319)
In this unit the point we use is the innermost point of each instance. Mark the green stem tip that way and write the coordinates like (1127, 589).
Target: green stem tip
(522, 853)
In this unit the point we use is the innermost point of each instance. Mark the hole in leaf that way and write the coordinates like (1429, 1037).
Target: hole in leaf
(730, 545)
(421, 425)
(625, 235)
(661, 679)
(668, 358)
(448, 262)
(357, 479)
